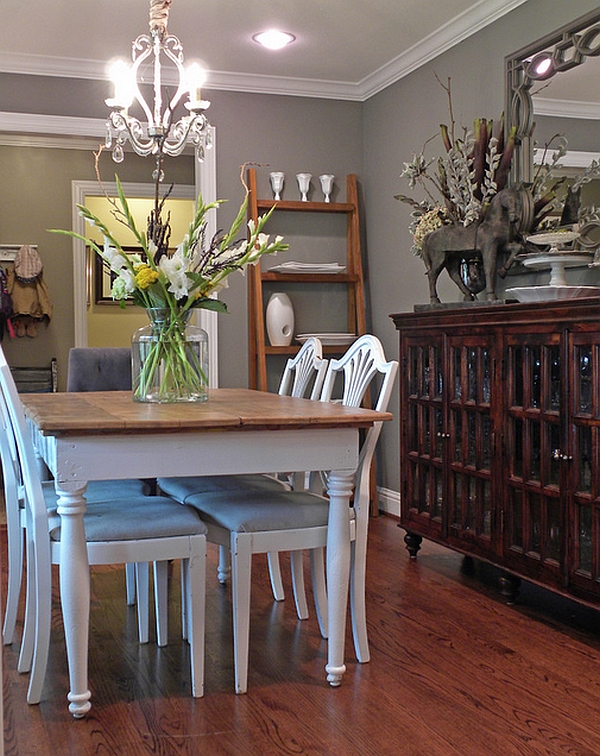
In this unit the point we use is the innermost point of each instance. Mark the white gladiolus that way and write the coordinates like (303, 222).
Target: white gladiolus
(112, 256)
(179, 285)
(128, 280)
(173, 266)
(118, 290)
(152, 248)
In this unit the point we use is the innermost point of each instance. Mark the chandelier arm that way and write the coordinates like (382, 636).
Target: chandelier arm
(143, 44)
(124, 124)
(175, 56)
(178, 136)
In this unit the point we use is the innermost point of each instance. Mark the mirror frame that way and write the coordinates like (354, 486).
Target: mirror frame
(567, 47)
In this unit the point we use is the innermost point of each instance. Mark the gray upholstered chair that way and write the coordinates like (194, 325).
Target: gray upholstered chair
(99, 369)
(89, 369)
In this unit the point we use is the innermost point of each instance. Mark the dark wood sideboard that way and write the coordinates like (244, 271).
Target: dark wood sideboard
(500, 438)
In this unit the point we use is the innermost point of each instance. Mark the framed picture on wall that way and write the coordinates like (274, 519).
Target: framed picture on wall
(103, 278)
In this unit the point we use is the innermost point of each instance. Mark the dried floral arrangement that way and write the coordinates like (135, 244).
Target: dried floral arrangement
(475, 165)
(553, 193)
(460, 184)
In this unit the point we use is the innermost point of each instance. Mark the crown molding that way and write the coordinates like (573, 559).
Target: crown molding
(566, 108)
(281, 85)
(35, 123)
(571, 159)
(480, 15)
(461, 27)
(53, 132)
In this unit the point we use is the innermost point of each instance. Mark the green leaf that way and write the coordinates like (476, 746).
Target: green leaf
(207, 303)
(127, 213)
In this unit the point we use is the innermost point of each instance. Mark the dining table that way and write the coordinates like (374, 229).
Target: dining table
(106, 435)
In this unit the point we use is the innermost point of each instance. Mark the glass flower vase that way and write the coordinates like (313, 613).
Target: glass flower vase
(169, 359)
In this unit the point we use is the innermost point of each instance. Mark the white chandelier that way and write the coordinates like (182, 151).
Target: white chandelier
(156, 133)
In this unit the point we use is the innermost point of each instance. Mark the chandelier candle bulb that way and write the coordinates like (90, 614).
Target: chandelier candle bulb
(120, 74)
(196, 77)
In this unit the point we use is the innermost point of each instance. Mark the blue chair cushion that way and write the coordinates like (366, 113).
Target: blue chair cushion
(135, 518)
(101, 490)
(182, 488)
(253, 512)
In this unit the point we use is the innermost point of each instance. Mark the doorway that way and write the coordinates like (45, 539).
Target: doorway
(206, 184)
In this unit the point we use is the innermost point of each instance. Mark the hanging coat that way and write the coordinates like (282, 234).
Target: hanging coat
(29, 298)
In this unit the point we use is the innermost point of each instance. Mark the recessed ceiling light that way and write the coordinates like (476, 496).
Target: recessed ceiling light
(273, 39)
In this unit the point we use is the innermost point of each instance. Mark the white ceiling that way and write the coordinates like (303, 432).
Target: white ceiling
(346, 49)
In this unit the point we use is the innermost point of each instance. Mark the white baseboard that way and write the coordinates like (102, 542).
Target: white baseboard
(389, 501)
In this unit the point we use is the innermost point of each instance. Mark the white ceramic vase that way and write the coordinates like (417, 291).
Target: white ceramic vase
(280, 319)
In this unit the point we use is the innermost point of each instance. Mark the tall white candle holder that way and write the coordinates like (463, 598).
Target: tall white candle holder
(277, 178)
(304, 184)
(326, 180)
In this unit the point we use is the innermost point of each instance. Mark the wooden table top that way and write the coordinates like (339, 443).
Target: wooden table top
(99, 412)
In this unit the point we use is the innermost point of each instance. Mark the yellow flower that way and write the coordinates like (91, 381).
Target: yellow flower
(145, 277)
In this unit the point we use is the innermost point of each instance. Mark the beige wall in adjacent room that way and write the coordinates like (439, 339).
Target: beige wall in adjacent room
(109, 324)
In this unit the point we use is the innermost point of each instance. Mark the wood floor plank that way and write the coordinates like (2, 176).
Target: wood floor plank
(453, 672)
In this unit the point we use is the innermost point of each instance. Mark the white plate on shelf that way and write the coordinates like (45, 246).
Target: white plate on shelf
(329, 339)
(551, 293)
(291, 266)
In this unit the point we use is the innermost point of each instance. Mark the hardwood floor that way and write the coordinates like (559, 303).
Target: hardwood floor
(453, 672)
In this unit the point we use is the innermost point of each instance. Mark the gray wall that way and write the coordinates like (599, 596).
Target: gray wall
(285, 133)
(397, 122)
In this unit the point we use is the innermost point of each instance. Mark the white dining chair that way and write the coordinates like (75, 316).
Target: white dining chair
(138, 529)
(303, 375)
(251, 522)
(109, 369)
(89, 369)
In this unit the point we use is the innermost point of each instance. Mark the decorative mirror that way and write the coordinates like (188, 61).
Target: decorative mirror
(563, 50)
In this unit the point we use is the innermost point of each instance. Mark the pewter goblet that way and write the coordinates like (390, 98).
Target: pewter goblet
(326, 185)
(277, 178)
(304, 184)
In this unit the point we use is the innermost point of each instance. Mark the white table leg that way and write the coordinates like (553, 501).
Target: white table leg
(339, 487)
(75, 592)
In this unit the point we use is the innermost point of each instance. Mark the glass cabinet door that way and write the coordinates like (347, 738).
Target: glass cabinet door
(470, 441)
(535, 454)
(584, 461)
(423, 433)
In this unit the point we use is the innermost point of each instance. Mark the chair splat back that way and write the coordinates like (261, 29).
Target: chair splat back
(300, 370)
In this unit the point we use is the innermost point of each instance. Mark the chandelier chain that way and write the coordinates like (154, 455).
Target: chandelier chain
(159, 16)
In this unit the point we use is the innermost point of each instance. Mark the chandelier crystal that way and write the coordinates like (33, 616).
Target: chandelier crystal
(156, 132)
